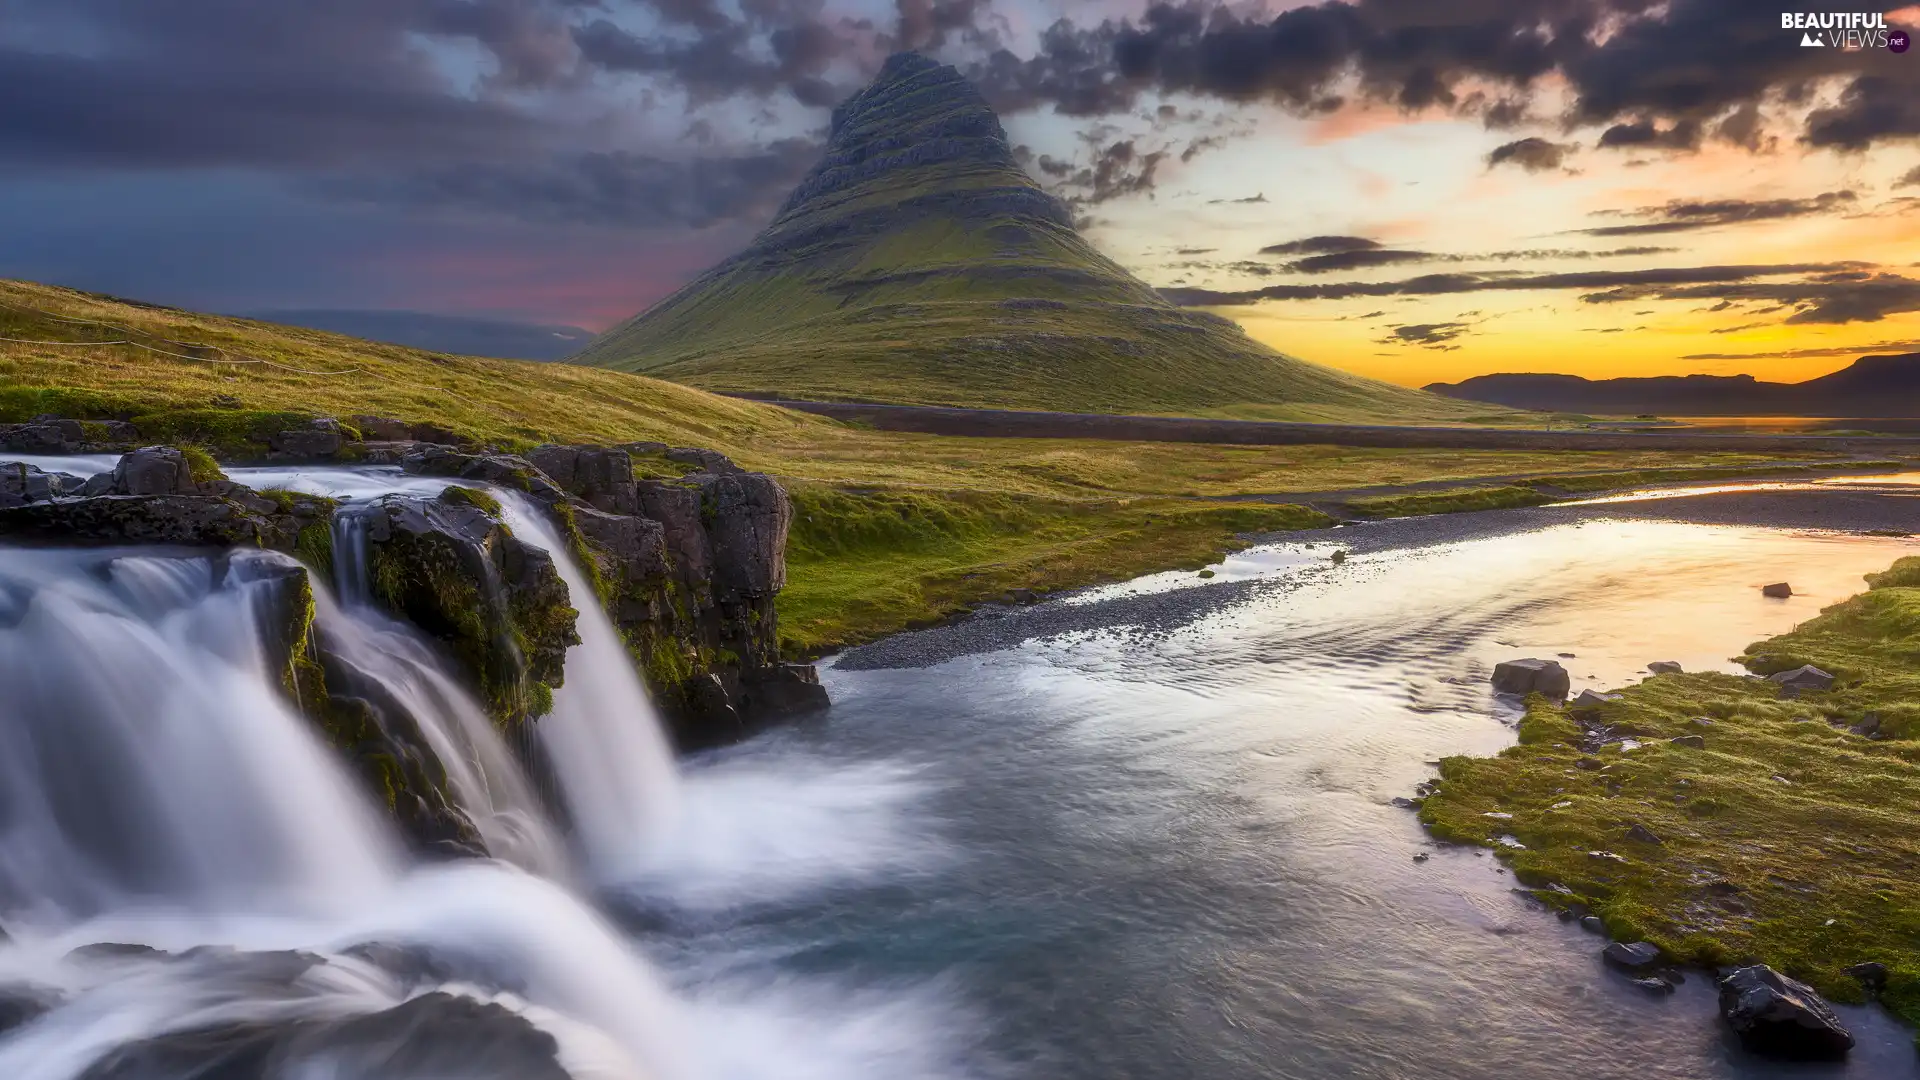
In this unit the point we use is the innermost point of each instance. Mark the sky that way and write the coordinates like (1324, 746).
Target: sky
(1418, 190)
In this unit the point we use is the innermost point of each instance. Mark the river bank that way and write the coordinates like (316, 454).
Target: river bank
(1736, 821)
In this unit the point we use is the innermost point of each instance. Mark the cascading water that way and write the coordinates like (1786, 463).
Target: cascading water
(603, 738)
(146, 755)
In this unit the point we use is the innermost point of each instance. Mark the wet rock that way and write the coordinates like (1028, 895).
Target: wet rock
(1779, 590)
(784, 690)
(1691, 742)
(747, 516)
(153, 470)
(1404, 803)
(501, 470)
(1640, 834)
(21, 483)
(1421, 857)
(112, 951)
(1781, 1017)
(23, 1003)
(452, 569)
(1531, 676)
(1665, 667)
(1592, 924)
(1638, 956)
(200, 521)
(321, 439)
(45, 435)
(1802, 679)
(1657, 987)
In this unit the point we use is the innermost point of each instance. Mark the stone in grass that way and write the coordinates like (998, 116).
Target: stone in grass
(1589, 702)
(1665, 667)
(1781, 1017)
(1606, 856)
(1640, 834)
(1532, 676)
(1636, 956)
(1872, 976)
(1779, 590)
(1804, 677)
(1691, 742)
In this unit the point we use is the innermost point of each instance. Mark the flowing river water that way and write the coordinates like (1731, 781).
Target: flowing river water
(1154, 841)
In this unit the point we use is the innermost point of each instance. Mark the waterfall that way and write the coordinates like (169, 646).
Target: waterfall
(379, 656)
(146, 754)
(603, 739)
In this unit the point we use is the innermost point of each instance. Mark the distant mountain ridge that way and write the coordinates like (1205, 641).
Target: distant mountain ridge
(456, 334)
(919, 264)
(1872, 386)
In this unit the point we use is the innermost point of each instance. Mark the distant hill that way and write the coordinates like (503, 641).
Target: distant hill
(1872, 386)
(442, 333)
(918, 264)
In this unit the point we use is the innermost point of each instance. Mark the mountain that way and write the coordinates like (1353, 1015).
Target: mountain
(441, 333)
(917, 263)
(1872, 386)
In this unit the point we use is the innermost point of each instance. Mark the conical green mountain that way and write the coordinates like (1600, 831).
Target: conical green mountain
(917, 263)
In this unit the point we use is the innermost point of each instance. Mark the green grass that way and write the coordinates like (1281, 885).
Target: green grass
(861, 566)
(1788, 840)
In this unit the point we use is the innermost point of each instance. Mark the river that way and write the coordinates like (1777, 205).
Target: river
(1155, 841)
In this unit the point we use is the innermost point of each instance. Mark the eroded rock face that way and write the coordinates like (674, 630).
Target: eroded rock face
(451, 568)
(21, 483)
(689, 568)
(1781, 1017)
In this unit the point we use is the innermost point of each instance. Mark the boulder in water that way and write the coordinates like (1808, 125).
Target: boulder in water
(1781, 1017)
(1532, 676)
(1665, 667)
(154, 470)
(23, 1003)
(1637, 956)
(1779, 590)
(322, 439)
(21, 483)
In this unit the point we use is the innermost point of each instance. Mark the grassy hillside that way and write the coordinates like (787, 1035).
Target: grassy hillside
(919, 264)
(979, 516)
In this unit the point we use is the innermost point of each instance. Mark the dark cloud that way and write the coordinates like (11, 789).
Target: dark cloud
(1357, 260)
(1894, 347)
(1321, 245)
(1912, 179)
(1654, 74)
(1248, 201)
(1621, 281)
(1429, 334)
(1116, 170)
(1684, 215)
(1832, 297)
(1533, 154)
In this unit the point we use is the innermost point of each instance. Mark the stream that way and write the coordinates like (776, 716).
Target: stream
(1154, 842)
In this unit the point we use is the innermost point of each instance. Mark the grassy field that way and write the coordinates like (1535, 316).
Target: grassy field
(1786, 839)
(994, 513)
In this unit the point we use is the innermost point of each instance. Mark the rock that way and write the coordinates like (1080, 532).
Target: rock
(501, 470)
(154, 470)
(1655, 986)
(1338, 557)
(747, 517)
(1592, 925)
(1780, 1017)
(1587, 764)
(1665, 667)
(1638, 956)
(46, 435)
(112, 951)
(1590, 702)
(1640, 834)
(1606, 856)
(784, 690)
(1404, 803)
(1871, 975)
(1421, 856)
(603, 477)
(199, 521)
(1779, 590)
(323, 439)
(711, 461)
(21, 483)
(381, 428)
(23, 1003)
(1691, 742)
(1531, 676)
(449, 567)
(1868, 726)
(1803, 678)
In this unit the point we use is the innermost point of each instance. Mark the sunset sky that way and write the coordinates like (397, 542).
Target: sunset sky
(1415, 189)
